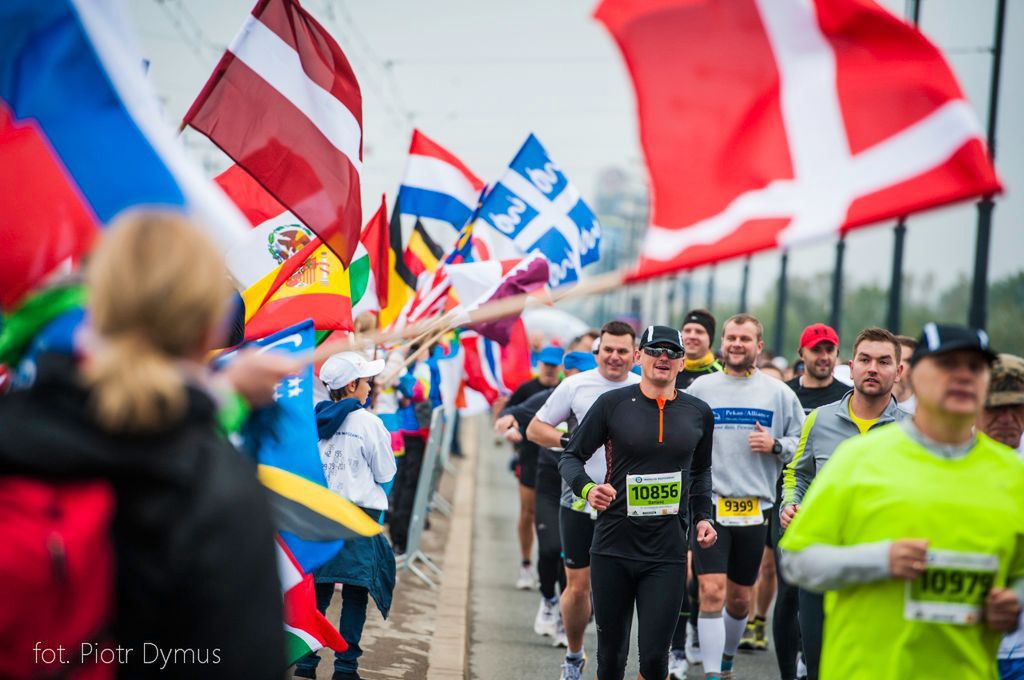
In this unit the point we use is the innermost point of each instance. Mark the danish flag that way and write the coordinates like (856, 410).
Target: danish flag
(768, 123)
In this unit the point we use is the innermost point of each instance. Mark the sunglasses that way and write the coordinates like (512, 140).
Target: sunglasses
(663, 352)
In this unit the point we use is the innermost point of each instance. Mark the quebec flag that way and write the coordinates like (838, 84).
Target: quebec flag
(534, 208)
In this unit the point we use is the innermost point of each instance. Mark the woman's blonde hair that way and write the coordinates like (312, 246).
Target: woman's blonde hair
(157, 289)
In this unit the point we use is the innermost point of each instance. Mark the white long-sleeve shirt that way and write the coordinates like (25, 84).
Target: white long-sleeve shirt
(358, 458)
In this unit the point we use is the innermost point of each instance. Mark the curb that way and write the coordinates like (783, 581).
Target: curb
(448, 658)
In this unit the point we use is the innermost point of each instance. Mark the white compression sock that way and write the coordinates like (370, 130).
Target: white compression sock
(733, 631)
(712, 640)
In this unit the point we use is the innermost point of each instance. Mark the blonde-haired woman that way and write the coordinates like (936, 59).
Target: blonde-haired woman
(192, 536)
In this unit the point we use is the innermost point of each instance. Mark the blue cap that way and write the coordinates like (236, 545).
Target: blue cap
(551, 355)
(582, 361)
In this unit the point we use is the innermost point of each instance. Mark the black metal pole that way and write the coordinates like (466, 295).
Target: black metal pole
(836, 314)
(711, 289)
(893, 316)
(979, 290)
(780, 310)
(688, 292)
(745, 284)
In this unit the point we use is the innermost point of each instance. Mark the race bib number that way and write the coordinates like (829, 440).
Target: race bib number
(739, 512)
(655, 494)
(952, 588)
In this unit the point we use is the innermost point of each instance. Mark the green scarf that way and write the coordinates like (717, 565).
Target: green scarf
(32, 315)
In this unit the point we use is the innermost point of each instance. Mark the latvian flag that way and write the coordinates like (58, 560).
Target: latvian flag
(284, 104)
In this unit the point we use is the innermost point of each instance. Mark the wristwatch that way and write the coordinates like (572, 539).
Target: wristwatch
(777, 447)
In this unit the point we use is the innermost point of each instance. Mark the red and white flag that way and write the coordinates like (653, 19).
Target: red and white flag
(284, 104)
(478, 283)
(767, 123)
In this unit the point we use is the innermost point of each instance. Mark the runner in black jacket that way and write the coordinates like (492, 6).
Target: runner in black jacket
(653, 435)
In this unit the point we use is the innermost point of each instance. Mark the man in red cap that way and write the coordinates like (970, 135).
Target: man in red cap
(819, 350)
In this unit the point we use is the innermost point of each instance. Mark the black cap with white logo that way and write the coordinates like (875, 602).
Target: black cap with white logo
(937, 338)
(661, 335)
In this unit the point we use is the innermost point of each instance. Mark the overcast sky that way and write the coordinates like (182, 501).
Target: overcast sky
(479, 76)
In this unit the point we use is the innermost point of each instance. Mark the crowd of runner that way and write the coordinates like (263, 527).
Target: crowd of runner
(876, 503)
(870, 507)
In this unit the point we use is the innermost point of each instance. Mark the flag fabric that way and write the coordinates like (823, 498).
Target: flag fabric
(767, 123)
(82, 138)
(284, 104)
(422, 254)
(374, 240)
(430, 300)
(311, 519)
(311, 284)
(437, 190)
(276, 233)
(492, 369)
(478, 283)
(306, 629)
(401, 281)
(533, 207)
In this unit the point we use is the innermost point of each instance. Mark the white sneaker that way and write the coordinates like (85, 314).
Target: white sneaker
(546, 621)
(573, 670)
(526, 580)
(693, 655)
(677, 665)
(560, 639)
(801, 667)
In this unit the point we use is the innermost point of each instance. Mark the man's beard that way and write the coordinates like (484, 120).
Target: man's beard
(745, 365)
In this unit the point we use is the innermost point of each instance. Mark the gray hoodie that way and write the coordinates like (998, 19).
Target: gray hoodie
(826, 428)
(736, 471)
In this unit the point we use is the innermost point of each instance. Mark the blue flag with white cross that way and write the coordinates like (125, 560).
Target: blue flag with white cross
(534, 207)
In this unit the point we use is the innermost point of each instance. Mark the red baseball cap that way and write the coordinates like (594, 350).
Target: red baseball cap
(818, 332)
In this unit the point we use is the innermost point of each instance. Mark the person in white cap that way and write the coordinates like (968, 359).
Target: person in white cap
(355, 450)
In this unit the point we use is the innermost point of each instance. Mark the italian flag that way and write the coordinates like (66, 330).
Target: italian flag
(368, 275)
(306, 629)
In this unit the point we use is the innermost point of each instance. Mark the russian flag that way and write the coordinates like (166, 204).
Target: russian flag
(437, 188)
(82, 138)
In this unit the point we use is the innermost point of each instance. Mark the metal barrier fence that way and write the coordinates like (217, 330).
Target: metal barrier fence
(435, 462)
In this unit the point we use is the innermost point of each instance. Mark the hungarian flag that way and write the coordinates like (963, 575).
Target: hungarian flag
(306, 629)
(374, 282)
(767, 123)
(284, 104)
(311, 284)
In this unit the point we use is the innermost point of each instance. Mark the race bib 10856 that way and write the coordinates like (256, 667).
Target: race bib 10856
(952, 588)
(653, 494)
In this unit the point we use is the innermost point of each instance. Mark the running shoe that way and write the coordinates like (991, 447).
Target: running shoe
(747, 641)
(760, 637)
(801, 667)
(572, 669)
(693, 655)
(677, 665)
(560, 639)
(727, 669)
(526, 580)
(546, 621)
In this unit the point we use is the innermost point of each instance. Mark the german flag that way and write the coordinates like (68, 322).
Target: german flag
(401, 281)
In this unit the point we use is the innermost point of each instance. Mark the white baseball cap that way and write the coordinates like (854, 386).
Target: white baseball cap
(344, 367)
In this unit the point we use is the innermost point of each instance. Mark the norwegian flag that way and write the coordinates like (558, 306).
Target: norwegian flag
(767, 123)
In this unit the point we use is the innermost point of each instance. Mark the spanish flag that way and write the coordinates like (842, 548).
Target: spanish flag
(311, 284)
